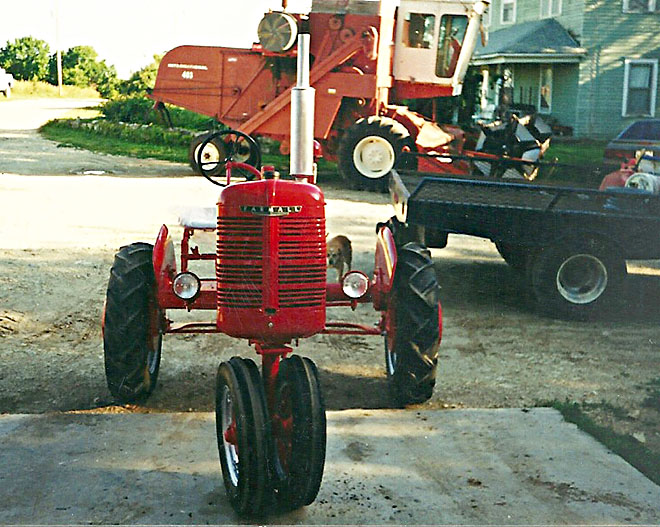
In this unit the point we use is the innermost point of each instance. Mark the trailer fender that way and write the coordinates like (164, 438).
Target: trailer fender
(385, 265)
(164, 259)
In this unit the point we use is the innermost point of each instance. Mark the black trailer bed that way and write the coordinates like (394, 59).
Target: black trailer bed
(529, 214)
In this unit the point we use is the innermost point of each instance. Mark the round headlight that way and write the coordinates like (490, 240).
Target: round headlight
(355, 284)
(186, 286)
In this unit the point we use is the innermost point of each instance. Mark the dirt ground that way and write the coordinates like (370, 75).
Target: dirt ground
(58, 234)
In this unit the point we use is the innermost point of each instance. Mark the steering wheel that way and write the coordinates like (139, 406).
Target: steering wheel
(231, 145)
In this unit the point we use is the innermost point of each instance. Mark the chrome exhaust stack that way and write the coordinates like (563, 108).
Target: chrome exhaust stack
(302, 117)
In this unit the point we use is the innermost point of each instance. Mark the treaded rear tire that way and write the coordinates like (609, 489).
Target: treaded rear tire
(375, 127)
(132, 337)
(411, 353)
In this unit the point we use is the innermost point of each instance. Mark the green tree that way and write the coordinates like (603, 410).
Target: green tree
(26, 58)
(81, 67)
(142, 80)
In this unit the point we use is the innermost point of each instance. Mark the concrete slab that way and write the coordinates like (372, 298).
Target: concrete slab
(383, 466)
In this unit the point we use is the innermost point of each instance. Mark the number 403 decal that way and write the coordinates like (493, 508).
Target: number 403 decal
(187, 74)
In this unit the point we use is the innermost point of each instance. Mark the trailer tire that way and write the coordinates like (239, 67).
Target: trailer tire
(412, 326)
(299, 433)
(7, 92)
(577, 279)
(516, 256)
(213, 151)
(370, 149)
(132, 325)
(243, 436)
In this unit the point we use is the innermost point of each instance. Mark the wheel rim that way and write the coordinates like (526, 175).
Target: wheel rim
(229, 436)
(373, 157)
(582, 278)
(211, 155)
(390, 331)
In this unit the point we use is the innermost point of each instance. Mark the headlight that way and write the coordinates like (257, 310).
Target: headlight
(355, 284)
(186, 286)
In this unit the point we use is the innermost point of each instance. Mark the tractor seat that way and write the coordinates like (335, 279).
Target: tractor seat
(199, 217)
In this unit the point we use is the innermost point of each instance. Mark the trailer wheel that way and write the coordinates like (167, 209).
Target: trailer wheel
(243, 435)
(299, 433)
(132, 322)
(370, 149)
(412, 326)
(517, 256)
(577, 279)
(213, 153)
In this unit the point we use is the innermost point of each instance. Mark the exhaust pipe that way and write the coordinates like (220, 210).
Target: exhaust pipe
(302, 117)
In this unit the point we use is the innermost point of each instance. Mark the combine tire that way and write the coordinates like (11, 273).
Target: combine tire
(413, 327)
(299, 433)
(577, 279)
(132, 336)
(243, 434)
(214, 152)
(370, 149)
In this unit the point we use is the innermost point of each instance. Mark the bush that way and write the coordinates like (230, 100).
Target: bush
(138, 109)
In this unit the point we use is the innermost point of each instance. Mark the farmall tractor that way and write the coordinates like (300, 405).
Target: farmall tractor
(370, 59)
(270, 287)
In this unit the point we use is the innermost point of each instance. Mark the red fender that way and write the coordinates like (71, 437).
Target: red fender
(384, 267)
(164, 261)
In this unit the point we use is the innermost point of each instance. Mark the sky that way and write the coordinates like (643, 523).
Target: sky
(128, 33)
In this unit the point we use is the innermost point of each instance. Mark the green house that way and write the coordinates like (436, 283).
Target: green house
(589, 66)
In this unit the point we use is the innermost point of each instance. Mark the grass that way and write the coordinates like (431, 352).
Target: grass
(580, 163)
(148, 143)
(40, 89)
(626, 446)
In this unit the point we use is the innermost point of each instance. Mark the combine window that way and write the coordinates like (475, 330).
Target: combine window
(452, 33)
(419, 30)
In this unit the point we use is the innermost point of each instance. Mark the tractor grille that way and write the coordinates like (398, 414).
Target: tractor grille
(302, 269)
(239, 267)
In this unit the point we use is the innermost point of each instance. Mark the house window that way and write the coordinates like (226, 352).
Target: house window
(550, 8)
(641, 6)
(545, 90)
(640, 80)
(508, 13)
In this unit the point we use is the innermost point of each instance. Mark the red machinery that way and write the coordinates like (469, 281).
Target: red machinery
(368, 58)
(270, 288)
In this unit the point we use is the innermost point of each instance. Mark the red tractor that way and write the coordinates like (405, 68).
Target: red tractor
(270, 287)
(370, 59)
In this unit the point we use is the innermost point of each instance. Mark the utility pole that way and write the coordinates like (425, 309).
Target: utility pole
(57, 44)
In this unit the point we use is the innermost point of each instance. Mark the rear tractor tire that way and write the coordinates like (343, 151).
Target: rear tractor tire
(577, 279)
(370, 149)
(132, 325)
(413, 326)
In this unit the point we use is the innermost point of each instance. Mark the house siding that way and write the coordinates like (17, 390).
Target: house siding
(589, 96)
(610, 37)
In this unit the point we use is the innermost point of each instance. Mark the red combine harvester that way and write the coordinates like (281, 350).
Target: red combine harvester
(369, 58)
(270, 287)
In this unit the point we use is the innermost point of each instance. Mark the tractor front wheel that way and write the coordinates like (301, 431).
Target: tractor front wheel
(413, 326)
(370, 149)
(243, 435)
(132, 325)
(299, 433)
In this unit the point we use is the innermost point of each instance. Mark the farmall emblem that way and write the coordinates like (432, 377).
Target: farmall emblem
(271, 211)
